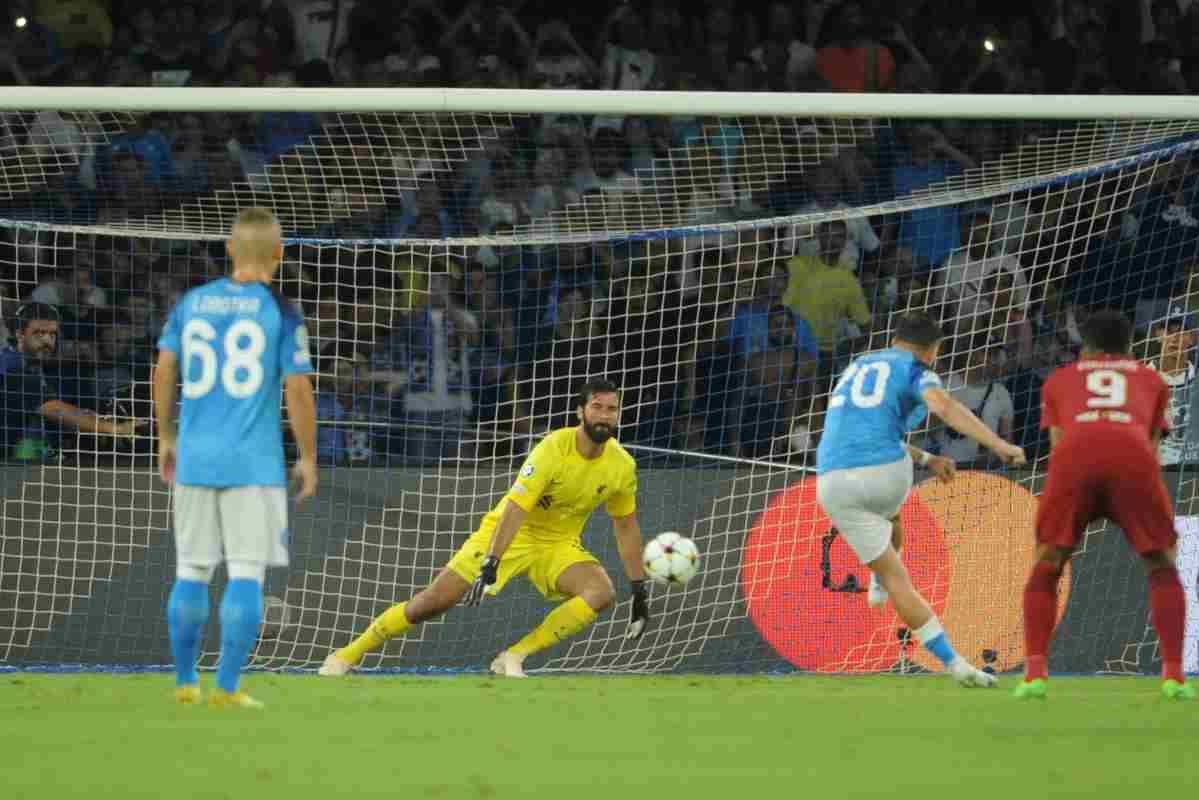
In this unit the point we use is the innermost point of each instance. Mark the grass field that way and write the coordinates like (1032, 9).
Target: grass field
(742, 738)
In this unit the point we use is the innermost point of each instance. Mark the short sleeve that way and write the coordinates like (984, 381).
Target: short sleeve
(294, 356)
(171, 337)
(540, 467)
(923, 379)
(624, 502)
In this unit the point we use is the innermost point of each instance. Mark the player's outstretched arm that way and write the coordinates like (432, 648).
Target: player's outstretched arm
(628, 543)
(511, 520)
(301, 414)
(964, 421)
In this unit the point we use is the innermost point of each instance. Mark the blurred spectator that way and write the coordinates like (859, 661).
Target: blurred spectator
(828, 297)
(73, 287)
(977, 388)
(646, 345)
(121, 381)
(406, 61)
(572, 350)
(970, 287)
(852, 60)
(32, 409)
(775, 357)
(929, 234)
(825, 192)
(1172, 340)
(784, 53)
(437, 342)
(78, 23)
(1167, 240)
(320, 27)
(603, 166)
(348, 431)
(558, 61)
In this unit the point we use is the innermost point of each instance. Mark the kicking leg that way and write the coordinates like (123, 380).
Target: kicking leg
(1167, 603)
(877, 595)
(919, 616)
(440, 596)
(590, 591)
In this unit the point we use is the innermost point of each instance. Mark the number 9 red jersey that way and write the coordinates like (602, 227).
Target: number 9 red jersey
(1105, 391)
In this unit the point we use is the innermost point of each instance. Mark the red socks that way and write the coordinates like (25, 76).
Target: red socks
(1168, 609)
(1040, 615)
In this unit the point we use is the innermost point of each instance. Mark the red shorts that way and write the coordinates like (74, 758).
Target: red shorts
(1106, 473)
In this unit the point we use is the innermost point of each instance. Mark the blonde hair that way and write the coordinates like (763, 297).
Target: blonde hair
(257, 238)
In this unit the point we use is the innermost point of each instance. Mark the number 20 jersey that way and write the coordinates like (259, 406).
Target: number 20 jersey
(875, 404)
(235, 346)
(1105, 392)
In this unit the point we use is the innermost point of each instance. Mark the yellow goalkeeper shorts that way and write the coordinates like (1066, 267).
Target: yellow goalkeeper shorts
(540, 562)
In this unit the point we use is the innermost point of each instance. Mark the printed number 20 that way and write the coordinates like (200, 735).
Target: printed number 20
(857, 376)
(1108, 388)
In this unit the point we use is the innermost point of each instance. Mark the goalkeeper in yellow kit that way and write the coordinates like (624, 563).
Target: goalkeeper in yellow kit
(535, 531)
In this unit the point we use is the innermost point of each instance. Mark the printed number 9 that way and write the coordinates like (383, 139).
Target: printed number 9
(1109, 389)
(242, 374)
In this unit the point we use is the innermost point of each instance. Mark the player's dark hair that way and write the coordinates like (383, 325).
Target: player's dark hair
(918, 328)
(596, 386)
(1107, 331)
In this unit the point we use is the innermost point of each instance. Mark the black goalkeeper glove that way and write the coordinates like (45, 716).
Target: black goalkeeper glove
(486, 579)
(640, 616)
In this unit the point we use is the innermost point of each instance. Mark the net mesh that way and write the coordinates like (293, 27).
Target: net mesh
(461, 275)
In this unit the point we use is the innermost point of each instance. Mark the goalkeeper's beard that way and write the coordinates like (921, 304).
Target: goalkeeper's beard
(598, 432)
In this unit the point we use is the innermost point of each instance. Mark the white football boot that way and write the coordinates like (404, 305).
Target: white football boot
(508, 664)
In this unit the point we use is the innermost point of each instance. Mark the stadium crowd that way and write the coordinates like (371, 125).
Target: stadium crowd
(725, 344)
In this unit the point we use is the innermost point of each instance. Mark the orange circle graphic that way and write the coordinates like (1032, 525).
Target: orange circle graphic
(968, 547)
(810, 625)
(988, 523)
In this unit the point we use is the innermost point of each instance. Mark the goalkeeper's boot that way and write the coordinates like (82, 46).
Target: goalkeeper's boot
(509, 664)
(188, 695)
(970, 677)
(335, 666)
(877, 596)
(1036, 689)
(1173, 690)
(219, 698)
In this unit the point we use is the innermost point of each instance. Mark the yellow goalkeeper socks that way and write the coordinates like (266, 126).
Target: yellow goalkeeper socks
(563, 622)
(391, 623)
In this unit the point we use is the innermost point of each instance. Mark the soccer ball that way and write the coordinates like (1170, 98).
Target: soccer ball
(670, 558)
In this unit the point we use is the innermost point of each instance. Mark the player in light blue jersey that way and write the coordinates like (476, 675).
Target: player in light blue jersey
(237, 346)
(864, 468)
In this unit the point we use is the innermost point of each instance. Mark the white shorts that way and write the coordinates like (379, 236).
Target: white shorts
(862, 501)
(239, 523)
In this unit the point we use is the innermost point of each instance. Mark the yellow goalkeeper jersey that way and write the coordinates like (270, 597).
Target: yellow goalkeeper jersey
(559, 489)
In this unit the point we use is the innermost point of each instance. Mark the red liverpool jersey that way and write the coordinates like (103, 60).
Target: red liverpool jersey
(1109, 391)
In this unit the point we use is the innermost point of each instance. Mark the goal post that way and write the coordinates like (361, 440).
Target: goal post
(465, 259)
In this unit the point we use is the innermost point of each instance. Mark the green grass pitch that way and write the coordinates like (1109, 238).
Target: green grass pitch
(571, 738)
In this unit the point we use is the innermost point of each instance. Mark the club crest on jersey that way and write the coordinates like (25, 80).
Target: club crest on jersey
(527, 471)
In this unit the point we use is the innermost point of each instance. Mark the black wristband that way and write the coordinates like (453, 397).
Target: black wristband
(638, 588)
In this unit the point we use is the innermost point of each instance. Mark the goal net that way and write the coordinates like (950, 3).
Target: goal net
(462, 273)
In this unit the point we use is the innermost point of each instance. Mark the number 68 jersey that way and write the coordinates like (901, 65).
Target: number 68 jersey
(236, 344)
(877, 401)
(1112, 393)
